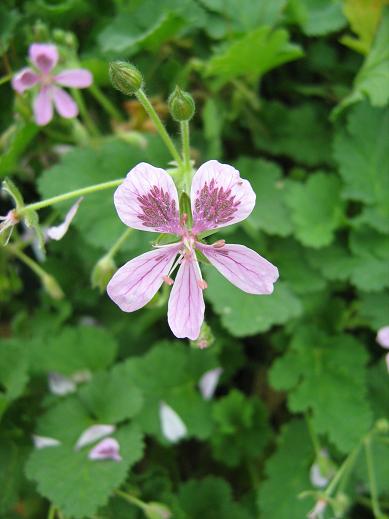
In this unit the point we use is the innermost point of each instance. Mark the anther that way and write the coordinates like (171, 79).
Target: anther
(219, 244)
(168, 280)
(202, 284)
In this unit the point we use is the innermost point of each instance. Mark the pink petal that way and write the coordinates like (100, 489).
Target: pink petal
(76, 78)
(147, 200)
(107, 449)
(43, 106)
(94, 433)
(208, 382)
(186, 302)
(136, 283)
(57, 232)
(24, 79)
(64, 103)
(383, 337)
(219, 197)
(44, 56)
(242, 267)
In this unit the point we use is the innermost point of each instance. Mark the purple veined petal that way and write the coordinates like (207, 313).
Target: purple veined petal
(60, 385)
(136, 283)
(219, 197)
(243, 267)
(383, 337)
(208, 383)
(57, 232)
(44, 56)
(75, 78)
(173, 428)
(43, 106)
(41, 442)
(107, 449)
(186, 303)
(148, 200)
(64, 103)
(24, 79)
(94, 433)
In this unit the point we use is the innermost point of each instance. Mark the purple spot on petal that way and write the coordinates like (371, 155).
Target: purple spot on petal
(159, 211)
(214, 205)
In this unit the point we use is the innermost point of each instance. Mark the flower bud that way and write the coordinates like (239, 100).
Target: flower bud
(205, 339)
(125, 77)
(156, 510)
(52, 287)
(104, 269)
(181, 105)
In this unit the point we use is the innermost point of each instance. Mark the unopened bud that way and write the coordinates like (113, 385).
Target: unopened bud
(125, 77)
(181, 105)
(205, 339)
(157, 511)
(382, 426)
(104, 269)
(52, 287)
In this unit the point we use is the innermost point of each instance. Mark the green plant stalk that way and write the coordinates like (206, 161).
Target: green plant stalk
(313, 435)
(346, 465)
(131, 499)
(119, 243)
(6, 78)
(144, 100)
(372, 479)
(51, 512)
(187, 167)
(67, 196)
(88, 121)
(105, 103)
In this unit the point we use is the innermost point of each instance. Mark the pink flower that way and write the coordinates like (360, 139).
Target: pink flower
(148, 200)
(44, 57)
(107, 449)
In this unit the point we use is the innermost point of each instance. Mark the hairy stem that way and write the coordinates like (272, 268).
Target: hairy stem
(88, 121)
(187, 167)
(372, 479)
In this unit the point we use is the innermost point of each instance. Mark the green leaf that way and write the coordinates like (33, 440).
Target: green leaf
(372, 80)
(8, 21)
(287, 475)
(244, 314)
(316, 209)
(119, 400)
(317, 17)
(335, 262)
(13, 372)
(270, 213)
(300, 132)
(253, 55)
(326, 375)
(14, 143)
(361, 150)
(209, 498)
(97, 219)
(79, 486)
(374, 307)
(241, 428)
(73, 349)
(11, 462)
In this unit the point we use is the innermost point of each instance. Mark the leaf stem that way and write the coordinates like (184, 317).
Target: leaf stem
(130, 499)
(105, 103)
(144, 100)
(88, 121)
(6, 78)
(346, 465)
(313, 435)
(33, 265)
(118, 244)
(51, 512)
(66, 196)
(372, 479)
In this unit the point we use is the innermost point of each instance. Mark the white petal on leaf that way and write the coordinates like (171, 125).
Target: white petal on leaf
(173, 428)
(94, 433)
(60, 385)
(41, 442)
(208, 382)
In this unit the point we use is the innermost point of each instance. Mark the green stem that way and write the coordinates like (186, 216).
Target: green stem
(118, 244)
(6, 78)
(33, 265)
(143, 99)
(372, 479)
(346, 465)
(131, 499)
(66, 196)
(105, 103)
(313, 435)
(187, 167)
(51, 513)
(88, 121)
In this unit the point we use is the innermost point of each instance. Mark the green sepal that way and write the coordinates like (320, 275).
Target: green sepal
(185, 208)
(31, 219)
(201, 258)
(9, 187)
(165, 239)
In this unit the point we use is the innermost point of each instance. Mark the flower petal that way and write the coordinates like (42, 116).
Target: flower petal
(383, 337)
(57, 232)
(43, 106)
(76, 78)
(64, 103)
(94, 433)
(107, 449)
(136, 283)
(44, 56)
(148, 200)
(24, 79)
(41, 442)
(219, 197)
(60, 385)
(186, 302)
(173, 428)
(243, 267)
(208, 382)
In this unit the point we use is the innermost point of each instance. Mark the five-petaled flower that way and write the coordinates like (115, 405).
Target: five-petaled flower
(148, 200)
(44, 58)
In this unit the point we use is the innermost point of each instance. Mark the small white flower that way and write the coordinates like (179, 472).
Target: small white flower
(41, 442)
(208, 382)
(173, 428)
(94, 433)
(60, 385)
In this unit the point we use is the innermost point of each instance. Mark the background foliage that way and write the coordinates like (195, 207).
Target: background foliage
(295, 94)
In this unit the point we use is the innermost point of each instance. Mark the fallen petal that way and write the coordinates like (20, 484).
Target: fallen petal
(173, 428)
(316, 477)
(383, 337)
(60, 385)
(57, 232)
(41, 442)
(208, 382)
(94, 433)
(107, 449)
